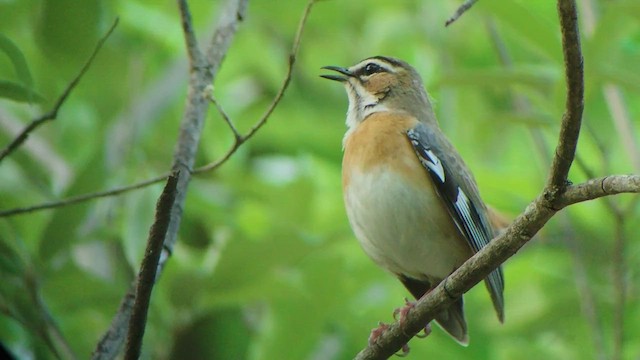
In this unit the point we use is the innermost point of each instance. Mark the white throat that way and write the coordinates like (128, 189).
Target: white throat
(361, 105)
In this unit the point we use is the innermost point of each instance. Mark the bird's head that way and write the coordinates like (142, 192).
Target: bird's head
(381, 83)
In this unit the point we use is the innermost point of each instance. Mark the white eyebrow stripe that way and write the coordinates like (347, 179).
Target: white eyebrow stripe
(383, 64)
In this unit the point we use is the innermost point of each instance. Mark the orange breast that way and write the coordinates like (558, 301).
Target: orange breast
(392, 205)
(381, 141)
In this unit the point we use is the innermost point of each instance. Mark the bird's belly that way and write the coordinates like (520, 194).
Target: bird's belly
(403, 226)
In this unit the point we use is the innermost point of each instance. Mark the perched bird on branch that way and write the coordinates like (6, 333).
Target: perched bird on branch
(411, 201)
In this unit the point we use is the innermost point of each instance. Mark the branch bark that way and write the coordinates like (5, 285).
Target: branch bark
(147, 275)
(572, 117)
(202, 73)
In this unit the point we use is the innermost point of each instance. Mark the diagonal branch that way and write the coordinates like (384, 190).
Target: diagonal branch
(461, 10)
(53, 113)
(147, 274)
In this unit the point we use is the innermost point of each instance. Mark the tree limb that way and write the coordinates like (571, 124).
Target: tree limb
(572, 117)
(201, 75)
(600, 187)
(53, 113)
(147, 274)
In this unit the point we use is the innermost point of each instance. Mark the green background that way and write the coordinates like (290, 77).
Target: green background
(266, 266)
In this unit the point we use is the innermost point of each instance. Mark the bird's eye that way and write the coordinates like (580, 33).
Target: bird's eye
(371, 68)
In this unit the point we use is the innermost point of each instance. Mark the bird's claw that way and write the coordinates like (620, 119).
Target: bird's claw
(401, 313)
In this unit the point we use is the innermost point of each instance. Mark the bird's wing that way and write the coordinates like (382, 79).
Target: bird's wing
(458, 191)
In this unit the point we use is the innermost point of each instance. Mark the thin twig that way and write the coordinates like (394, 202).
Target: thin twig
(147, 274)
(276, 100)
(53, 113)
(461, 10)
(81, 198)
(225, 117)
(200, 170)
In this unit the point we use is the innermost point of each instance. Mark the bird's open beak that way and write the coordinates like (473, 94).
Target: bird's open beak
(341, 70)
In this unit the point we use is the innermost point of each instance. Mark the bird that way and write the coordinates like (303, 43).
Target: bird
(411, 201)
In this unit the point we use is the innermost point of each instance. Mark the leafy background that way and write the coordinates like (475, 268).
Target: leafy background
(266, 266)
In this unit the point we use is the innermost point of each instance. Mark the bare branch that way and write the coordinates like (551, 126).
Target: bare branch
(276, 100)
(225, 116)
(147, 274)
(461, 10)
(209, 167)
(596, 188)
(486, 260)
(220, 41)
(110, 343)
(201, 75)
(81, 198)
(53, 113)
(190, 40)
(586, 294)
(572, 118)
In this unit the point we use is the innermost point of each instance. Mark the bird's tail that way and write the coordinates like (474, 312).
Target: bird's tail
(452, 321)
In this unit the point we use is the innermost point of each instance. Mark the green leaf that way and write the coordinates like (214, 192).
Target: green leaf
(17, 59)
(18, 92)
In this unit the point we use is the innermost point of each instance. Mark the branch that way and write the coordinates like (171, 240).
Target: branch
(53, 113)
(584, 287)
(572, 117)
(524, 227)
(110, 343)
(81, 198)
(203, 169)
(486, 260)
(241, 139)
(193, 51)
(147, 275)
(461, 10)
(201, 75)
(597, 188)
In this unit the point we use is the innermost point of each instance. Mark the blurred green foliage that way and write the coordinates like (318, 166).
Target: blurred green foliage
(266, 266)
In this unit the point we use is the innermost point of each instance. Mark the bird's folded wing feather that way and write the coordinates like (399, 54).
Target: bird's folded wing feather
(456, 187)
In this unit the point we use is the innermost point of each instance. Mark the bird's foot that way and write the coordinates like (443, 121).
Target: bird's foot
(426, 331)
(400, 313)
(377, 332)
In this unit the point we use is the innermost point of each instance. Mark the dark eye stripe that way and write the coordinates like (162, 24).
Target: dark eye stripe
(370, 69)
